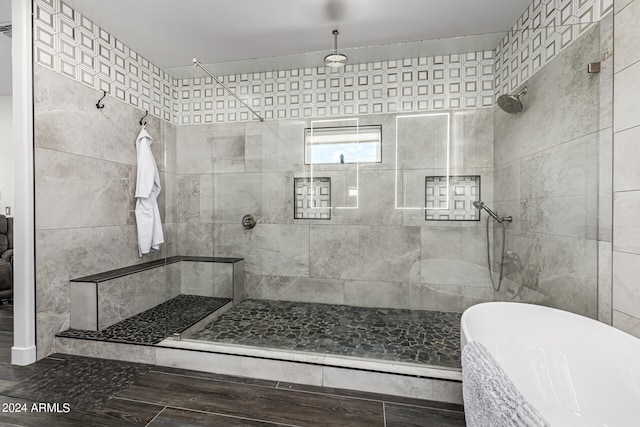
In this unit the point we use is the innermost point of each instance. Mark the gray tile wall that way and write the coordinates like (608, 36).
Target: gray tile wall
(375, 255)
(626, 180)
(548, 160)
(85, 181)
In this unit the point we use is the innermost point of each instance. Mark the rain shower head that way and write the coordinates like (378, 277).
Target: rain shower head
(511, 103)
(335, 59)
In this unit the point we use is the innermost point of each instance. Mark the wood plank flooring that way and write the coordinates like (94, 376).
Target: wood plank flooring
(144, 395)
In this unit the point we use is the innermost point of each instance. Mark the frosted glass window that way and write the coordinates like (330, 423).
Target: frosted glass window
(345, 144)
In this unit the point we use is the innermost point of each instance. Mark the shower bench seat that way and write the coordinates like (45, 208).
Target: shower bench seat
(101, 300)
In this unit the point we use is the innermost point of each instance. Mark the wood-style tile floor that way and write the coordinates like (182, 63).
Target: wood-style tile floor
(106, 393)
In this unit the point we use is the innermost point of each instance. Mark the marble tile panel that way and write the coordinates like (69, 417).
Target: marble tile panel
(377, 294)
(194, 154)
(626, 155)
(626, 323)
(275, 146)
(375, 382)
(605, 292)
(228, 147)
(625, 105)
(174, 279)
(268, 249)
(450, 298)
(170, 193)
(170, 239)
(626, 39)
(626, 227)
(67, 120)
(108, 350)
(196, 239)
(209, 279)
(444, 247)
(558, 271)
(606, 72)
(127, 296)
(415, 296)
(207, 201)
(48, 323)
(301, 289)
(620, 5)
(475, 127)
(239, 281)
(84, 306)
(563, 216)
(268, 196)
(65, 254)
(171, 143)
(375, 202)
(90, 193)
(422, 141)
(188, 198)
(354, 252)
(240, 366)
(564, 170)
(605, 185)
(626, 292)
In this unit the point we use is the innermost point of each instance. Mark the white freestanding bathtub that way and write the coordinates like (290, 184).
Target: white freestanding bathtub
(574, 370)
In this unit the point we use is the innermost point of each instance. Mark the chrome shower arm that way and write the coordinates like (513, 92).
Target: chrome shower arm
(479, 204)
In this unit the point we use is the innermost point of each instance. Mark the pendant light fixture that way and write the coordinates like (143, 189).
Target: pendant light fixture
(335, 59)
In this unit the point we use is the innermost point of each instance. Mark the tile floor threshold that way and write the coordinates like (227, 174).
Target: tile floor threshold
(103, 392)
(328, 360)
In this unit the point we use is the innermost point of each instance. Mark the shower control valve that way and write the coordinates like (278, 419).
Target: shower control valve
(248, 222)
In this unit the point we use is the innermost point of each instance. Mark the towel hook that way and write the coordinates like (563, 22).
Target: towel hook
(98, 105)
(145, 115)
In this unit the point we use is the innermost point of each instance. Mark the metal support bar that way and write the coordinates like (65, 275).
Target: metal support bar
(197, 64)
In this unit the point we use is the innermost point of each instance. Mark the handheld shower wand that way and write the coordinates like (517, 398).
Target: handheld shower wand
(479, 204)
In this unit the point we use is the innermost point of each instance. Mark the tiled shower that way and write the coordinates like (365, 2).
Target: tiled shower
(395, 241)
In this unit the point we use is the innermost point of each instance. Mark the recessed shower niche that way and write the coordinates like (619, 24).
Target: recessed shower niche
(450, 198)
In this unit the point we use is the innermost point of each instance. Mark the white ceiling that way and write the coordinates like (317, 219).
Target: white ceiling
(242, 33)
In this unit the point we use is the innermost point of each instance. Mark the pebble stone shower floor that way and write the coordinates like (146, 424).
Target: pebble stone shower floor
(410, 336)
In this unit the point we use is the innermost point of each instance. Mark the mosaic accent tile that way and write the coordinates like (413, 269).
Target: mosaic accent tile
(152, 326)
(84, 383)
(451, 200)
(441, 82)
(412, 336)
(72, 45)
(544, 30)
(312, 201)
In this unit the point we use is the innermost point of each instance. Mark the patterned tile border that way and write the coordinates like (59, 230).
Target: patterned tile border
(544, 30)
(446, 82)
(72, 45)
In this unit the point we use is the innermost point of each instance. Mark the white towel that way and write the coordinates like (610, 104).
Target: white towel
(490, 398)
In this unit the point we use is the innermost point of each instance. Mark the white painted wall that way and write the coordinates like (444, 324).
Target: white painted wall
(6, 154)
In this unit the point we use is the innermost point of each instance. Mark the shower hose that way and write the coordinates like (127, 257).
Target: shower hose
(504, 233)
